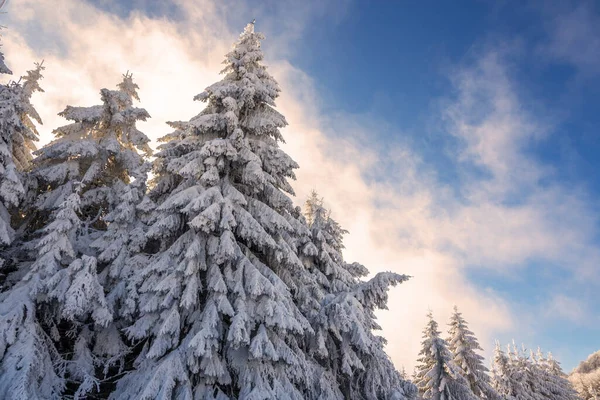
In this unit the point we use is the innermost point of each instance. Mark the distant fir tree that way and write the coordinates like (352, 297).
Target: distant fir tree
(463, 345)
(53, 317)
(553, 380)
(344, 342)
(534, 377)
(17, 137)
(501, 374)
(438, 377)
(524, 380)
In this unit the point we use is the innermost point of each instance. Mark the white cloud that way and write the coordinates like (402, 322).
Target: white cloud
(407, 223)
(566, 308)
(574, 35)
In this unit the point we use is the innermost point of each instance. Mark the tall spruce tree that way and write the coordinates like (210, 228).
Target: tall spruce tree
(217, 314)
(51, 317)
(438, 377)
(463, 345)
(17, 137)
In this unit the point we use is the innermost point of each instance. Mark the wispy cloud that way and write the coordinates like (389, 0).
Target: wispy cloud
(574, 35)
(566, 308)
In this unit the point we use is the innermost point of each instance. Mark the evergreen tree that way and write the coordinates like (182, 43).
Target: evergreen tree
(17, 136)
(463, 345)
(501, 374)
(54, 313)
(523, 377)
(346, 345)
(438, 377)
(217, 314)
(343, 319)
(552, 378)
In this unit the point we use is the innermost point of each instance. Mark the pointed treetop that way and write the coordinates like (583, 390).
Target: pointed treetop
(431, 329)
(31, 80)
(128, 86)
(249, 28)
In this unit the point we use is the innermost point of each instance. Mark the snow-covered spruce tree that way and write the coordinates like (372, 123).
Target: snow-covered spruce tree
(17, 136)
(553, 380)
(54, 315)
(321, 253)
(524, 380)
(438, 377)
(221, 302)
(217, 314)
(501, 374)
(348, 348)
(463, 345)
(352, 356)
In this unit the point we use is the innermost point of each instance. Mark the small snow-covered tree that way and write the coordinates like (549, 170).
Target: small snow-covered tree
(463, 345)
(524, 379)
(327, 262)
(501, 374)
(438, 377)
(552, 379)
(17, 137)
(534, 377)
(321, 253)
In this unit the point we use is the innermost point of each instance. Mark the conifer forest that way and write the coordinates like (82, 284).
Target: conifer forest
(190, 270)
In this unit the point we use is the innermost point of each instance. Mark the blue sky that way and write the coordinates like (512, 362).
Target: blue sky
(457, 141)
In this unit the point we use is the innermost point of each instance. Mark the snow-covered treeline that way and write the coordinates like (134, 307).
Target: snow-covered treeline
(452, 369)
